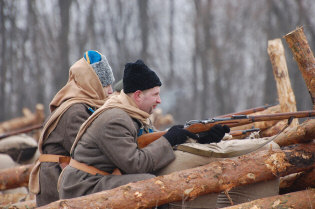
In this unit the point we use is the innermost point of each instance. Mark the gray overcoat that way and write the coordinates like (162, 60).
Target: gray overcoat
(59, 142)
(109, 143)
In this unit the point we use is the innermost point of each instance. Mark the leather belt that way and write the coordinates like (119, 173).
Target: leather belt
(90, 169)
(54, 158)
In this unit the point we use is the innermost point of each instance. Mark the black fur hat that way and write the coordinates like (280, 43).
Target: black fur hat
(138, 76)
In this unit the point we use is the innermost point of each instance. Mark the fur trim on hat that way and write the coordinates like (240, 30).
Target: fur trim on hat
(101, 67)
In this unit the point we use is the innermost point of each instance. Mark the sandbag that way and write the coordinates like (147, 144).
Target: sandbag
(21, 148)
(6, 162)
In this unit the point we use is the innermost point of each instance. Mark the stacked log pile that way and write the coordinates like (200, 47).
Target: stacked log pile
(294, 162)
(18, 139)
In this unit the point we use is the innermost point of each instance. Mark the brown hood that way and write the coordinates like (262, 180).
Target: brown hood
(83, 83)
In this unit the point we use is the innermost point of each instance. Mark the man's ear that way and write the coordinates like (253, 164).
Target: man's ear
(137, 95)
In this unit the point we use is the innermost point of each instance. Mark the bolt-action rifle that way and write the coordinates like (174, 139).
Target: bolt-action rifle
(242, 132)
(247, 111)
(20, 131)
(197, 126)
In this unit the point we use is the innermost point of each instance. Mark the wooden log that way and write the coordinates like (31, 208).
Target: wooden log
(280, 71)
(297, 200)
(297, 182)
(275, 129)
(29, 204)
(188, 184)
(261, 125)
(304, 57)
(21, 131)
(6, 199)
(29, 119)
(161, 121)
(305, 132)
(15, 177)
(285, 93)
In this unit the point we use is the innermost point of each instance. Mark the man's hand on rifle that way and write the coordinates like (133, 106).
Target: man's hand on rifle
(214, 134)
(178, 135)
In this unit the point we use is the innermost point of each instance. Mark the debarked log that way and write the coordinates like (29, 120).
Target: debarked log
(28, 119)
(304, 57)
(188, 184)
(280, 71)
(15, 177)
(297, 200)
(304, 132)
(297, 182)
(11, 198)
(28, 204)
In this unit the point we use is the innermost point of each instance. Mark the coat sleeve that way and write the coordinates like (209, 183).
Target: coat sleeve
(118, 143)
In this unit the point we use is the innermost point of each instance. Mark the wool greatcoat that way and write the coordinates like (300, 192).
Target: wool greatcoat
(109, 143)
(59, 142)
(69, 109)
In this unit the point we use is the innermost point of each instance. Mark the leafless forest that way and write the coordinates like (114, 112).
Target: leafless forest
(211, 55)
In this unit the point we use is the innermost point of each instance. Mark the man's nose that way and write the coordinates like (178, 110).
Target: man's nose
(110, 90)
(159, 100)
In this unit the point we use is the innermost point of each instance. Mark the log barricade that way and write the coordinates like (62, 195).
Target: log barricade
(187, 184)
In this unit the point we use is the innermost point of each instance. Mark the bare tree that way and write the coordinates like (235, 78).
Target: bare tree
(144, 26)
(3, 64)
(63, 42)
(171, 43)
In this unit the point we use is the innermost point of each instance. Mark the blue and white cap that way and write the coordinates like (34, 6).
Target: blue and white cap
(101, 67)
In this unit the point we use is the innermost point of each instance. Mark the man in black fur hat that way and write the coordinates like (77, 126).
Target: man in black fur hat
(105, 153)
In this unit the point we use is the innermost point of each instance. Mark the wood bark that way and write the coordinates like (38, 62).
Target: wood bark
(305, 132)
(297, 182)
(280, 71)
(188, 184)
(304, 57)
(261, 125)
(15, 177)
(297, 200)
(28, 119)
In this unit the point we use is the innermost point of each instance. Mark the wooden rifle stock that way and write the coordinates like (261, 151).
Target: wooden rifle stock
(241, 132)
(197, 126)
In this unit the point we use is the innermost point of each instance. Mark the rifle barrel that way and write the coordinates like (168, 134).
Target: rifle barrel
(247, 111)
